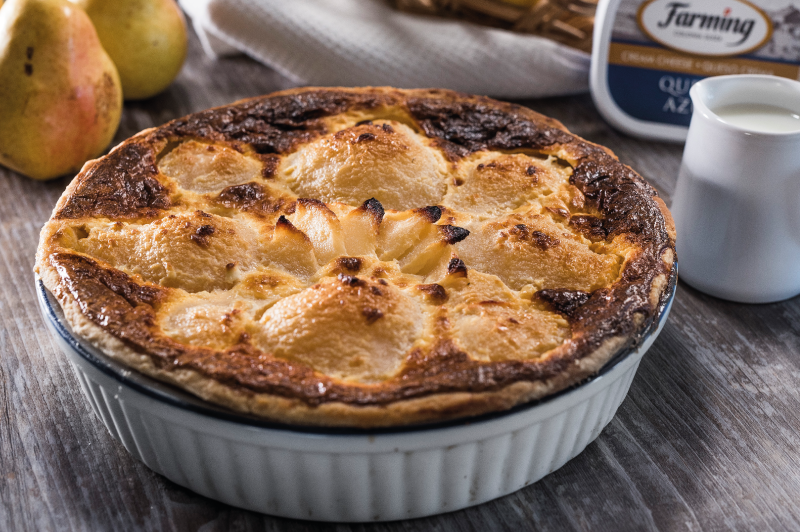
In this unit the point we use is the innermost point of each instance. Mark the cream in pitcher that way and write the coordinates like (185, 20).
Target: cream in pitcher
(736, 200)
(763, 118)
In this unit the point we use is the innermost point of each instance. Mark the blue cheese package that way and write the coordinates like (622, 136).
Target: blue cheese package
(647, 55)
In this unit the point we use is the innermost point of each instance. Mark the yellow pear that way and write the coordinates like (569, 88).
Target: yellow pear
(146, 39)
(60, 95)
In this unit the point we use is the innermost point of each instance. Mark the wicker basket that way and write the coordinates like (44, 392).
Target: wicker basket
(567, 21)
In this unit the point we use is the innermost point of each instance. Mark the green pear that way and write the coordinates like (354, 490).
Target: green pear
(146, 39)
(60, 95)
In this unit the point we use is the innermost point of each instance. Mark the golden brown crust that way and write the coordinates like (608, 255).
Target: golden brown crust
(286, 271)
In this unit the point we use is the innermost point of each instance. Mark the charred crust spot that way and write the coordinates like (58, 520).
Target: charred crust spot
(371, 314)
(623, 198)
(121, 185)
(249, 197)
(271, 163)
(537, 238)
(364, 137)
(350, 264)
(435, 293)
(364, 123)
(273, 124)
(473, 124)
(531, 170)
(456, 266)
(203, 214)
(565, 302)
(376, 291)
(375, 208)
(561, 213)
(453, 234)
(458, 181)
(544, 241)
(350, 280)
(75, 270)
(202, 234)
(230, 266)
(432, 213)
(591, 227)
(285, 223)
(384, 282)
(387, 128)
(242, 196)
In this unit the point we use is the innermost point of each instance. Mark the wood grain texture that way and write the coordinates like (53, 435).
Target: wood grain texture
(708, 438)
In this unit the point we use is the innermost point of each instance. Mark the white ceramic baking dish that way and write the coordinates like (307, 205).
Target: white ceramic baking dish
(345, 475)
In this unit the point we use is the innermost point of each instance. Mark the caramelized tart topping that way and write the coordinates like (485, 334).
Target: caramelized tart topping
(318, 254)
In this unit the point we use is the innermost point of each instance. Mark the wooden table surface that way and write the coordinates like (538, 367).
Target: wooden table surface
(708, 437)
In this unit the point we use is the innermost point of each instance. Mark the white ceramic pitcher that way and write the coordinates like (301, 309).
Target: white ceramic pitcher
(737, 201)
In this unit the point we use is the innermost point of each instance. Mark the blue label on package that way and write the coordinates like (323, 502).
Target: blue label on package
(652, 95)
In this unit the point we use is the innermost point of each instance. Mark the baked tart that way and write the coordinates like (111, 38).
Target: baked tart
(360, 257)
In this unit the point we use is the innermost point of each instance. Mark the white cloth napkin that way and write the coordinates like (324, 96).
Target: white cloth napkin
(366, 42)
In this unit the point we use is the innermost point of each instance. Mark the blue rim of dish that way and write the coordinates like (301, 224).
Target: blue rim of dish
(176, 397)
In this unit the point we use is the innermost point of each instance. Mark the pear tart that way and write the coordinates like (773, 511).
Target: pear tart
(360, 257)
